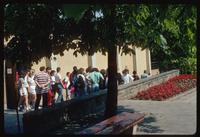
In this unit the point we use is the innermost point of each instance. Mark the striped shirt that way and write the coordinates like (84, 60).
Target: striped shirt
(42, 78)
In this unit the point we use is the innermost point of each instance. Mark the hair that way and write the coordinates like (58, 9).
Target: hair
(42, 68)
(67, 73)
(22, 74)
(145, 71)
(89, 69)
(32, 71)
(134, 72)
(81, 71)
(27, 71)
(58, 69)
(127, 71)
(103, 71)
(75, 68)
(48, 68)
(95, 69)
(52, 72)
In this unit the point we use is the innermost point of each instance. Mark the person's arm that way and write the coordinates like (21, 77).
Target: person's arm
(101, 76)
(35, 79)
(60, 80)
(48, 81)
(131, 77)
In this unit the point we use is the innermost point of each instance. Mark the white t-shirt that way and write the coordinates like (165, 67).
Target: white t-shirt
(53, 80)
(127, 78)
(58, 78)
(26, 81)
(31, 81)
(32, 84)
(22, 87)
(67, 81)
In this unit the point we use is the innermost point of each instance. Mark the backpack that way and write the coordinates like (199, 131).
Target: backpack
(80, 82)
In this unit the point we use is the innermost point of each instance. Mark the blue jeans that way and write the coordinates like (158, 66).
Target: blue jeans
(80, 92)
(95, 88)
(59, 91)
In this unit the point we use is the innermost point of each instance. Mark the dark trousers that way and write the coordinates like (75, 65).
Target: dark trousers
(44, 99)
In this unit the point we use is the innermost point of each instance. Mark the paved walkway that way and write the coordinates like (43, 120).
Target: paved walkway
(174, 116)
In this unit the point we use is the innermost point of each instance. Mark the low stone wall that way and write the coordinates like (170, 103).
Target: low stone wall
(128, 90)
(44, 120)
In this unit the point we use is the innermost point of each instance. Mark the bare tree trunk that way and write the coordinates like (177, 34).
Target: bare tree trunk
(111, 101)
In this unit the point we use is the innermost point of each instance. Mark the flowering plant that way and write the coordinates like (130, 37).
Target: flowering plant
(168, 89)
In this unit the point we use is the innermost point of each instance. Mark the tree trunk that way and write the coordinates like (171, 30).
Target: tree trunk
(111, 101)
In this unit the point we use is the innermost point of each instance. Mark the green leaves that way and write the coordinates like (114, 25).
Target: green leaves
(75, 11)
(168, 31)
(171, 26)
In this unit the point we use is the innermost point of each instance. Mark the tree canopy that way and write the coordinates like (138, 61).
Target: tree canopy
(39, 30)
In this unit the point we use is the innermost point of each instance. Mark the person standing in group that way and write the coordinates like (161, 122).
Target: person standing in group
(135, 75)
(50, 94)
(102, 83)
(42, 81)
(27, 86)
(120, 81)
(95, 77)
(23, 100)
(127, 78)
(73, 79)
(59, 85)
(32, 86)
(66, 83)
(144, 75)
(53, 85)
(80, 84)
(88, 80)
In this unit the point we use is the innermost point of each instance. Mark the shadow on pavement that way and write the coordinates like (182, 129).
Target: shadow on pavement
(147, 125)
(10, 121)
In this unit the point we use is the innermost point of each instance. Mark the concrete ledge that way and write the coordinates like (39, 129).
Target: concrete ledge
(127, 90)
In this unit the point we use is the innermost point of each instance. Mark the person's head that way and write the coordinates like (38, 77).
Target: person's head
(96, 69)
(32, 72)
(123, 71)
(52, 73)
(81, 71)
(145, 71)
(48, 70)
(75, 68)
(58, 69)
(27, 72)
(42, 68)
(127, 71)
(89, 69)
(68, 74)
(103, 72)
(134, 72)
(22, 74)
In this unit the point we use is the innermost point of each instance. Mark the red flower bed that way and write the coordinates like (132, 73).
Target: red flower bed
(168, 89)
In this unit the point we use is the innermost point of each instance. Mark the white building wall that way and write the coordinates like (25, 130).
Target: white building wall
(132, 62)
